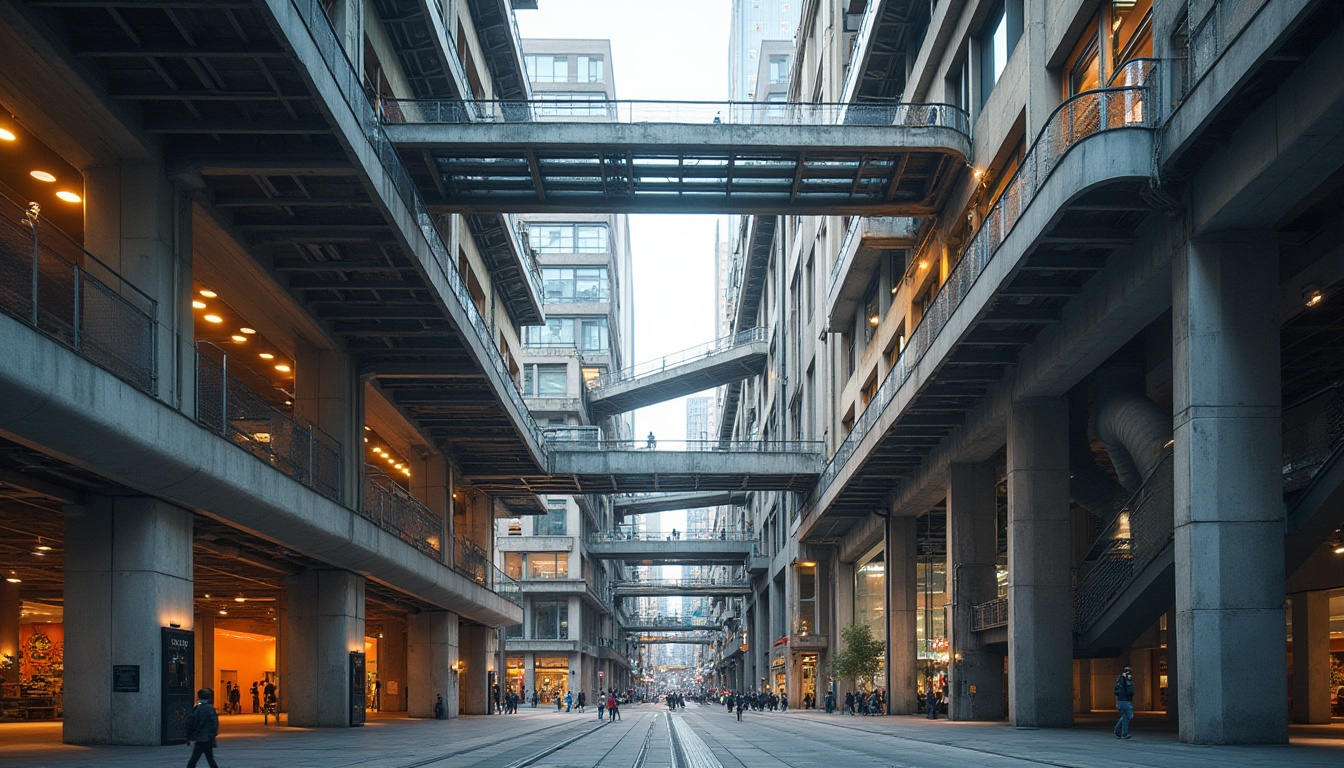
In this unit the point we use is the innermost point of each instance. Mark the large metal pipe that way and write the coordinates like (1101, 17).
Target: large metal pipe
(1133, 428)
(1091, 488)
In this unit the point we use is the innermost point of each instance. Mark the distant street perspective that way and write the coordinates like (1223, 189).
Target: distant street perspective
(710, 383)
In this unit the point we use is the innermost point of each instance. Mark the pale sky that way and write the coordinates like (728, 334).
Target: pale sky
(664, 51)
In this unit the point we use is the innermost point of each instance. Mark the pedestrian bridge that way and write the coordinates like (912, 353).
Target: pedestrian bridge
(667, 548)
(655, 624)
(706, 366)
(674, 639)
(647, 503)
(679, 157)
(681, 587)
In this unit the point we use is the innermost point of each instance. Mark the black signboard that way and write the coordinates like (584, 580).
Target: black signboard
(356, 688)
(125, 678)
(177, 657)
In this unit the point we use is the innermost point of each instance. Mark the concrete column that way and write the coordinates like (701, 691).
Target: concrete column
(431, 662)
(1082, 686)
(844, 616)
(1040, 626)
(324, 623)
(759, 648)
(10, 607)
(972, 551)
(204, 627)
(902, 615)
(128, 574)
(474, 645)
(392, 667)
(139, 224)
(1311, 657)
(1144, 695)
(1229, 491)
(430, 484)
(530, 673)
(328, 392)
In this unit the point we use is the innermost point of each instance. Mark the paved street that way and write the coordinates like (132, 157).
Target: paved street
(648, 736)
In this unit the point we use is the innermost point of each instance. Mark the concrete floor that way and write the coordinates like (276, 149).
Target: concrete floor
(707, 737)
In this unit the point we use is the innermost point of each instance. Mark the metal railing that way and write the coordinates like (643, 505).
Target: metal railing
(1211, 34)
(989, 615)
(600, 537)
(1134, 539)
(728, 113)
(52, 284)
(1079, 118)
(528, 255)
(683, 357)
(690, 582)
(350, 84)
(1313, 430)
(395, 510)
(239, 404)
(685, 446)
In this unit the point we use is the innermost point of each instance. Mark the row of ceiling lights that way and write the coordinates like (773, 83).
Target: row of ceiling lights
(44, 176)
(244, 333)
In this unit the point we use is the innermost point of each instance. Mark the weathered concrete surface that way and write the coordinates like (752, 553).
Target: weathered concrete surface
(615, 471)
(324, 623)
(672, 551)
(732, 364)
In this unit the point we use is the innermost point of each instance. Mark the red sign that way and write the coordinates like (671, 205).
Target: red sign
(781, 641)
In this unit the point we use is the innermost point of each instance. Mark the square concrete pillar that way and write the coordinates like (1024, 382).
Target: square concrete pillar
(902, 615)
(972, 554)
(431, 662)
(1228, 491)
(204, 627)
(474, 660)
(139, 224)
(324, 624)
(843, 586)
(328, 393)
(1311, 657)
(128, 574)
(1040, 617)
(1082, 686)
(1173, 676)
(10, 607)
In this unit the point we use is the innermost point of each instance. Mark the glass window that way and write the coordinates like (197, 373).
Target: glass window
(590, 69)
(779, 69)
(513, 565)
(1131, 31)
(546, 380)
(553, 523)
(550, 620)
(547, 69)
(547, 565)
(593, 336)
(568, 238)
(585, 284)
(998, 37)
(807, 600)
(557, 332)
(568, 104)
(1084, 66)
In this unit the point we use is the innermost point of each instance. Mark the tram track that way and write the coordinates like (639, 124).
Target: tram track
(427, 761)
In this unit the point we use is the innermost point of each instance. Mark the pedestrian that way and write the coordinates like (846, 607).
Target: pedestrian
(601, 704)
(613, 708)
(269, 704)
(653, 441)
(535, 699)
(849, 702)
(784, 702)
(559, 705)
(1124, 702)
(236, 700)
(830, 702)
(718, 119)
(931, 704)
(256, 698)
(583, 700)
(440, 711)
(202, 728)
(569, 701)
(741, 703)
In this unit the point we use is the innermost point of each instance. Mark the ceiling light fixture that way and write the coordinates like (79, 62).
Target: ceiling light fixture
(874, 320)
(283, 368)
(7, 135)
(69, 197)
(207, 293)
(266, 356)
(248, 331)
(13, 579)
(1311, 295)
(42, 176)
(214, 318)
(923, 263)
(197, 304)
(238, 338)
(44, 547)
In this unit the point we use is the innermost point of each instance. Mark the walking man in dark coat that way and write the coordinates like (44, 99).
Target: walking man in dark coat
(202, 727)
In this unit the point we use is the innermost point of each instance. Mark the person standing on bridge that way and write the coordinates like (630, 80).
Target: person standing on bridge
(652, 442)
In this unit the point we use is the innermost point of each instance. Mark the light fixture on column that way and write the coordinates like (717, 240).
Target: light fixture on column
(1311, 295)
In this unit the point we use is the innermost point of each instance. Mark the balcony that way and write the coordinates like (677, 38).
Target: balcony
(859, 259)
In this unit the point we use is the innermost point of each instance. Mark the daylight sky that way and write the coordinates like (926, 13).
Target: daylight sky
(664, 51)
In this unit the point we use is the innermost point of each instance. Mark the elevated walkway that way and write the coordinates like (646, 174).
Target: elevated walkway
(722, 548)
(702, 367)
(674, 639)
(680, 157)
(647, 503)
(656, 624)
(680, 588)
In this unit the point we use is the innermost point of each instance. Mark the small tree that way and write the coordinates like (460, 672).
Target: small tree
(860, 654)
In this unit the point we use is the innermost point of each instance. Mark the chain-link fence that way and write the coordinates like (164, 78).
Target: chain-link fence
(1312, 432)
(240, 405)
(1082, 116)
(989, 615)
(1210, 27)
(1133, 540)
(52, 284)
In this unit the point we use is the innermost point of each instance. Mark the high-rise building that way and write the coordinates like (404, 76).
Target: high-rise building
(760, 39)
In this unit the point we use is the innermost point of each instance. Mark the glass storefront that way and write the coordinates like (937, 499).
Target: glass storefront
(552, 673)
(870, 604)
(807, 664)
(513, 673)
(931, 626)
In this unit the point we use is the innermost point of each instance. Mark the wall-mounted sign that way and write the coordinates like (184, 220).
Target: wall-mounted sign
(125, 678)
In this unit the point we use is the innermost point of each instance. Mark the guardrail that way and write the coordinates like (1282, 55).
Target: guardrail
(683, 357)
(1134, 539)
(600, 537)
(1312, 431)
(1223, 23)
(239, 404)
(52, 284)
(394, 509)
(350, 84)
(1081, 117)
(728, 113)
(644, 445)
(989, 615)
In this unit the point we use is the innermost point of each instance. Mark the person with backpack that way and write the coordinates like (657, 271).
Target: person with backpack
(202, 728)
(613, 708)
(1124, 702)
